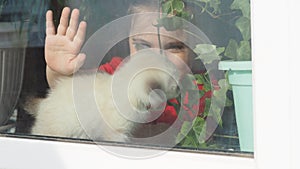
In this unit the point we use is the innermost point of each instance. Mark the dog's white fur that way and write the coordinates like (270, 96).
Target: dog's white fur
(56, 115)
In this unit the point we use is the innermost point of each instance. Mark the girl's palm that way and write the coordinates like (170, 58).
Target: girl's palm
(62, 48)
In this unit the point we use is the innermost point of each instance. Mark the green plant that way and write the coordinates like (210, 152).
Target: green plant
(241, 51)
(191, 133)
(212, 97)
(235, 50)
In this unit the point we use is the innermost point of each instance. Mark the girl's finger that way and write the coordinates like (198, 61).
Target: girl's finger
(50, 29)
(64, 19)
(73, 25)
(80, 35)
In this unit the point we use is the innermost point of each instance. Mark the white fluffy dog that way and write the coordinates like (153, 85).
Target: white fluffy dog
(115, 119)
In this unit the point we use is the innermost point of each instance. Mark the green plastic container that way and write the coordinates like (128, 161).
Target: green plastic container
(240, 77)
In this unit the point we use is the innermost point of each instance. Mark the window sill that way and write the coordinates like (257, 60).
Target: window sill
(54, 154)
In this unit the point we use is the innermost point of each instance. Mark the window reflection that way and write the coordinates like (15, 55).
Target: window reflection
(228, 38)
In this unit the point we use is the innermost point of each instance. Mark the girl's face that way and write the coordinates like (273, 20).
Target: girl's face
(144, 35)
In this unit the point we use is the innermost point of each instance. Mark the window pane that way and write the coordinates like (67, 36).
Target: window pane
(165, 75)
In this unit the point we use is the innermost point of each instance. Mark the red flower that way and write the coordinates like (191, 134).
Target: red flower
(195, 107)
(111, 66)
(189, 114)
(201, 106)
(208, 94)
(175, 101)
(186, 98)
(202, 100)
(200, 86)
(215, 84)
(168, 116)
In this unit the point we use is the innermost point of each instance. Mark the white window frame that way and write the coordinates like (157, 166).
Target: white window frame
(274, 39)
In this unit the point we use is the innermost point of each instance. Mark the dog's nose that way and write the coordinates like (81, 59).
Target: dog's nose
(174, 90)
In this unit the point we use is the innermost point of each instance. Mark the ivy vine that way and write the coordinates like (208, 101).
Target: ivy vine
(208, 53)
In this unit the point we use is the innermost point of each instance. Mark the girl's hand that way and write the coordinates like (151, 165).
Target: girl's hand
(62, 47)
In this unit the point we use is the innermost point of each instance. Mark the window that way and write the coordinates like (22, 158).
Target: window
(262, 142)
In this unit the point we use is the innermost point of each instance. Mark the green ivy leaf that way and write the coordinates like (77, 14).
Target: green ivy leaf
(183, 136)
(179, 138)
(220, 50)
(186, 127)
(219, 100)
(207, 107)
(231, 49)
(199, 78)
(207, 53)
(244, 51)
(243, 24)
(205, 1)
(198, 128)
(178, 6)
(204, 48)
(215, 5)
(186, 15)
(190, 142)
(223, 83)
(207, 58)
(170, 23)
(216, 114)
(243, 5)
(207, 87)
(166, 7)
(198, 122)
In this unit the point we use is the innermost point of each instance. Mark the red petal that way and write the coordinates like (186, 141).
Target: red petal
(173, 101)
(186, 98)
(200, 86)
(168, 116)
(111, 66)
(115, 62)
(106, 68)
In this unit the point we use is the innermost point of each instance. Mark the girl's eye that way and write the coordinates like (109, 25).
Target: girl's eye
(175, 48)
(140, 46)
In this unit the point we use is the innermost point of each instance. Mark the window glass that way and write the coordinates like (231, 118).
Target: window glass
(166, 75)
